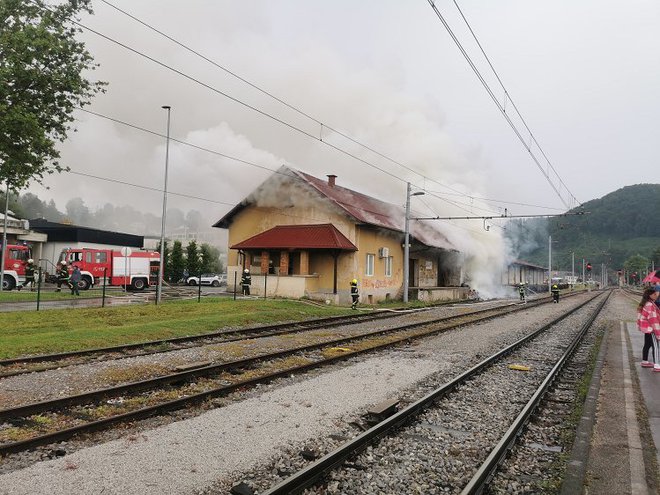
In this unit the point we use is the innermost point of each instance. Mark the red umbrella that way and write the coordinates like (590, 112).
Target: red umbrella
(652, 278)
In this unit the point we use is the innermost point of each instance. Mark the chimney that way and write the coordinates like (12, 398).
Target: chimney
(331, 180)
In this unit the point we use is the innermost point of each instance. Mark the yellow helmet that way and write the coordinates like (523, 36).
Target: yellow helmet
(354, 281)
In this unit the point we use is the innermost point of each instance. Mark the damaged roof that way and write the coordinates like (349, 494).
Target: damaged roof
(361, 208)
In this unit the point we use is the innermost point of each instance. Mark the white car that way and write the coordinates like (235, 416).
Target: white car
(212, 279)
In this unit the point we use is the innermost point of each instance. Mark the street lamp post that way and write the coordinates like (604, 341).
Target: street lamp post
(159, 288)
(406, 243)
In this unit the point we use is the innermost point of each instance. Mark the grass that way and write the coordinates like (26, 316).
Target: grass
(50, 295)
(41, 332)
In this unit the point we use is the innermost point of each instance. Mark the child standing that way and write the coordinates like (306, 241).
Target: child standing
(648, 322)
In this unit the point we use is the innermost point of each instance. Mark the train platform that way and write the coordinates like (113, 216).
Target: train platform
(616, 448)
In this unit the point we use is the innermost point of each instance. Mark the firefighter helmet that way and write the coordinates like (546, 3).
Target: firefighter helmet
(30, 261)
(354, 281)
(246, 271)
(63, 263)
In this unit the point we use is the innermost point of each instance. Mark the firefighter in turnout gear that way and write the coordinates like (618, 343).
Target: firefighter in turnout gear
(555, 293)
(355, 295)
(62, 277)
(521, 291)
(29, 275)
(246, 281)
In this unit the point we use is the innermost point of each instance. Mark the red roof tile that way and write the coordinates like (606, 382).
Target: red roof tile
(321, 236)
(362, 208)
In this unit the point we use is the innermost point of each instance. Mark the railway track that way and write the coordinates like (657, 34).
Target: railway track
(54, 420)
(454, 438)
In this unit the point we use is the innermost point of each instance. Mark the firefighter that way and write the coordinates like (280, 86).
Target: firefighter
(29, 275)
(62, 277)
(555, 293)
(246, 281)
(521, 291)
(355, 295)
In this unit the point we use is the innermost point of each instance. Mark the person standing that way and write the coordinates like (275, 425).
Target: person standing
(246, 282)
(648, 322)
(76, 276)
(29, 275)
(355, 294)
(62, 276)
(555, 293)
(521, 291)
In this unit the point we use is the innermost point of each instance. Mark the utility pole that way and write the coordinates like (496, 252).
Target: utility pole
(159, 287)
(549, 263)
(406, 243)
(4, 239)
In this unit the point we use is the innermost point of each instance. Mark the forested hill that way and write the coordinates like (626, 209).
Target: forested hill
(632, 211)
(614, 228)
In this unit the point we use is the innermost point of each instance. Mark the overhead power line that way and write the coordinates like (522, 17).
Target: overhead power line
(574, 202)
(288, 105)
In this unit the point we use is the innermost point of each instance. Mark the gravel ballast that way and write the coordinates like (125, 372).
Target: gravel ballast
(188, 455)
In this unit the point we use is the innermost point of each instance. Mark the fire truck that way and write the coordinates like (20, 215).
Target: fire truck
(16, 256)
(128, 268)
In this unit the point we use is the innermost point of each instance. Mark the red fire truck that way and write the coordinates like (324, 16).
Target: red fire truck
(16, 256)
(136, 269)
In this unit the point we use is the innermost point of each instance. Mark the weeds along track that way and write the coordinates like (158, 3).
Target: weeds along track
(29, 425)
(42, 362)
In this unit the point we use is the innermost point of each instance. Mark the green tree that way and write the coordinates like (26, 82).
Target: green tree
(655, 258)
(193, 263)
(636, 264)
(210, 259)
(175, 263)
(41, 84)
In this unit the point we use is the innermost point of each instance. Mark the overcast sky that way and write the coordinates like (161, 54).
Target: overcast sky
(583, 74)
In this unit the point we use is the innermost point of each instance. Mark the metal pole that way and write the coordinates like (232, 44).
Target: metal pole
(573, 266)
(235, 277)
(159, 288)
(584, 281)
(549, 263)
(39, 289)
(199, 287)
(4, 240)
(105, 279)
(265, 283)
(406, 247)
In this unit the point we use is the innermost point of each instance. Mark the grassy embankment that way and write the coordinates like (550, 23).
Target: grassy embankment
(51, 331)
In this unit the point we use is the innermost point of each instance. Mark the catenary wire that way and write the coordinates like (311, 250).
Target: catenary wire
(279, 100)
(508, 96)
(499, 105)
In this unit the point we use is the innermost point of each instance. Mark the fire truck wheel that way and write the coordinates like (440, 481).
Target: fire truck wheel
(84, 283)
(8, 283)
(139, 284)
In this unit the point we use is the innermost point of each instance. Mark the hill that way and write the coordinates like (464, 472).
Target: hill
(613, 228)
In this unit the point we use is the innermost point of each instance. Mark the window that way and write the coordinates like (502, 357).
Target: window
(88, 257)
(388, 266)
(101, 257)
(370, 265)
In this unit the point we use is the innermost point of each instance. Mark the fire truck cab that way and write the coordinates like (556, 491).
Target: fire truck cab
(16, 257)
(127, 268)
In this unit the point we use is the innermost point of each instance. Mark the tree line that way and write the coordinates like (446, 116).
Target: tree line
(193, 260)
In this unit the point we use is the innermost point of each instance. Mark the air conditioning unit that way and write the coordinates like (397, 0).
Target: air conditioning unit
(383, 252)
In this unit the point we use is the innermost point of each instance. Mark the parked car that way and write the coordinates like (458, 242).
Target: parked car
(213, 279)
